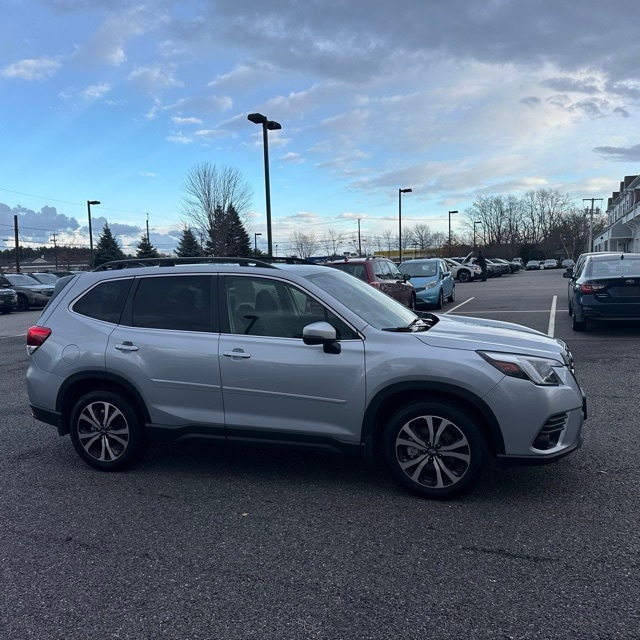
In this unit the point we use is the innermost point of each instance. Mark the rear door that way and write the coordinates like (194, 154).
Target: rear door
(166, 346)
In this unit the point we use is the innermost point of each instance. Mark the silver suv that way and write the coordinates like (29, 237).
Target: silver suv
(237, 351)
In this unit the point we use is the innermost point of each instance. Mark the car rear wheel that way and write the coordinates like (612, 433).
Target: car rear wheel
(106, 431)
(434, 450)
(578, 325)
(23, 303)
(464, 275)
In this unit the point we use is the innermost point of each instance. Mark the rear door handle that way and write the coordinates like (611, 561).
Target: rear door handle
(126, 347)
(236, 353)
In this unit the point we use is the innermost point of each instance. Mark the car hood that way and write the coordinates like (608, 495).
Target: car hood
(470, 333)
(421, 281)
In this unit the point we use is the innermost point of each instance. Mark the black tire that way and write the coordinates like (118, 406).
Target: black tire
(412, 301)
(417, 440)
(578, 325)
(570, 308)
(464, 275)
(440, 302)
(106, 431)
(23, 302)
(5, 311)
(452, 297)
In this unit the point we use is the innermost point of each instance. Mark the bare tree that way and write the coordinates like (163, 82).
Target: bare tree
(331, 240)
(422, 235)
(210, 190)
(304, 244)
(389, 240)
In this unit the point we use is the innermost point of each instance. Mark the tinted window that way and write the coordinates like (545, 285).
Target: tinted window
(264, 307)
(180, 303)
(357, 270)
(104, 301)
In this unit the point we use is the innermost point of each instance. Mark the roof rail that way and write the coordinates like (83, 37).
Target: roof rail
(133, 263)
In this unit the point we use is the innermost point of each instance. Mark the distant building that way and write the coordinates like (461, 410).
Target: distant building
(623, 218)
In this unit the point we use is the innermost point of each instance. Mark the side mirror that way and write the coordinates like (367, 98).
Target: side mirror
(322, 333)
(568, 273)
(406, 276)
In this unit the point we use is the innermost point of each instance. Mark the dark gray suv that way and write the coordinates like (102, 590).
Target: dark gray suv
(293, 354)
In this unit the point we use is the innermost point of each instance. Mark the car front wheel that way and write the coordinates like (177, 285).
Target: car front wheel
(106, 431)
(464, 275)
(23, 303)
(440, 302)
(434, 451)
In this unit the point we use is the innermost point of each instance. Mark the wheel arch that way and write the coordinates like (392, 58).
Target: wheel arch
(389, 400)
(85, 382)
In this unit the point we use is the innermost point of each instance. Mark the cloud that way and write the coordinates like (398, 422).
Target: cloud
(178, 120)
(153, 78)
(36, 69)
(620, 154)
(291, 158)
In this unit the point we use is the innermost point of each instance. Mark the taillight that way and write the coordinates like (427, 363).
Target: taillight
(591, 287)
(36, 336)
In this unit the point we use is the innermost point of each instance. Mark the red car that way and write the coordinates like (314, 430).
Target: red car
(381, 273)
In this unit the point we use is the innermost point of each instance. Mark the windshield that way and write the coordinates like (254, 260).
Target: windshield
(45, 278)
(21, 280)
(420, 269)
(373, 306)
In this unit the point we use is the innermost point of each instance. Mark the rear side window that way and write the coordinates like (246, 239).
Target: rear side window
(105, 301)
(180, 303)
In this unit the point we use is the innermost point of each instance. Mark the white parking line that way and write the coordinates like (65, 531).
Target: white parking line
(552, 317)
(459, 305)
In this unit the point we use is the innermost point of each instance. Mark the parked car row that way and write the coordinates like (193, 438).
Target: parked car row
(22, 291)
(549, 263)
(496, 267)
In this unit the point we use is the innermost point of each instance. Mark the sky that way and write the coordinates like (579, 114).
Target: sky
(117, 100)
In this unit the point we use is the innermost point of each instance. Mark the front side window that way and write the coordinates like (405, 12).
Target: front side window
(179, 303)
(264, 307)
(104, 301)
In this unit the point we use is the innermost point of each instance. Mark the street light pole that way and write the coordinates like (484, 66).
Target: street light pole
(359, 241)
(400, 192)
(267, 125)
(474, 234)
(450, 212)
(255, 243)
(89, 203)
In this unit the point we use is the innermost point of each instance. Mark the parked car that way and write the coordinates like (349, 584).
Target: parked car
(533, 265)
(382, 274)
(244, 351)
(8, 299)
(550, 263)
(463, 272)
(471, 261)
(30, 292)
(510, 268)
(604, 286)
(45, 277)
(499, 268)
(567, 263)
(519, 262)
(432, 280)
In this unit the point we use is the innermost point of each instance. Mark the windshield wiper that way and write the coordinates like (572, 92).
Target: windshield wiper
(416, 325)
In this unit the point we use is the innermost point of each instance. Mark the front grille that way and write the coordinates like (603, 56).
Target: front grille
(549, 435)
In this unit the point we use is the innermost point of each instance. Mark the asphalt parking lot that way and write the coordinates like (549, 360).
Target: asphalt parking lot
(201, 543)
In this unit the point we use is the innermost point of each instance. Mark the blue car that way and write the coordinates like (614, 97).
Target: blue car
(432, 281)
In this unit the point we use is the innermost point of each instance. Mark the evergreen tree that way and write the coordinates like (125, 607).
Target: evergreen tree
(146, 249)
(107, 248)
(238, 243)
(188, 246)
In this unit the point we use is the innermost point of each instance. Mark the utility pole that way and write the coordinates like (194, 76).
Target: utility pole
(591, 220)
(55, 250)
(15, 234)
(148, 241)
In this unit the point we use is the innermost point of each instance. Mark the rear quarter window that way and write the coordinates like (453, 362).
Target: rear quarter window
(104, 301)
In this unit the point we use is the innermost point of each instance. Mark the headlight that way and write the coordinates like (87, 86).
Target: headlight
(538, 370)
(430, 285)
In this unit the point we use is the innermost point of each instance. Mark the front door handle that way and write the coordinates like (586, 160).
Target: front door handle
(236, 353)
(126, 347)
